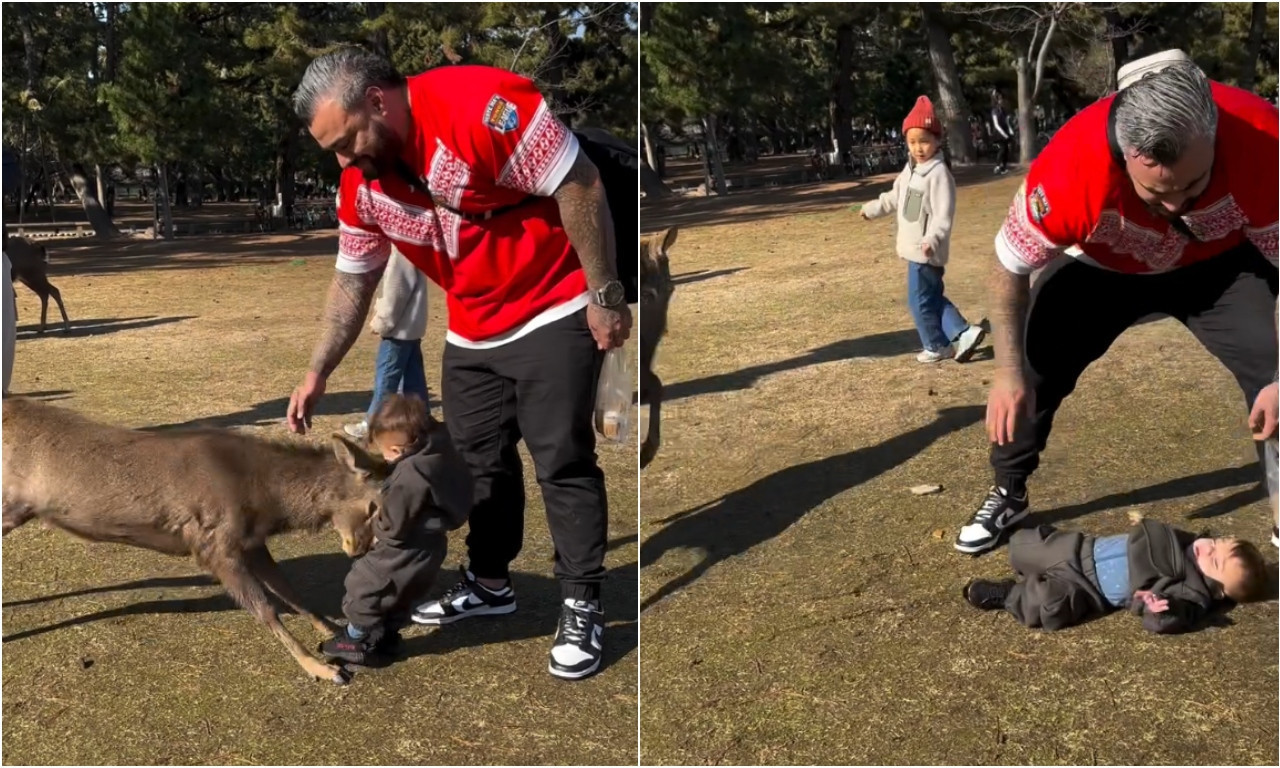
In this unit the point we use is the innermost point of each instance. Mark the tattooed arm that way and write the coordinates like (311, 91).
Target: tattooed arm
(349, 298)
(1010, 295)
(1009, 399)
(348, 304)
(584, 212)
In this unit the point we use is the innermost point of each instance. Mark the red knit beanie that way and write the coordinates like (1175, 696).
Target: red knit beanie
(922, 116)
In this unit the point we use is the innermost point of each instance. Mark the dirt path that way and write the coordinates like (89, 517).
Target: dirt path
(801, 606)
(119, 656)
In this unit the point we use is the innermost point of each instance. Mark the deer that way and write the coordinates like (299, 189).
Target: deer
(656, 288)
(211, 494)
(30, 266)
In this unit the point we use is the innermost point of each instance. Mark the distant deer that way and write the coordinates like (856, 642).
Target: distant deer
(212, 494)
(656, 288)
(30, 266)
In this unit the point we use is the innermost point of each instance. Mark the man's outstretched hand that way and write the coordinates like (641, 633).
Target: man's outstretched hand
(1262, 419)
(302, 403)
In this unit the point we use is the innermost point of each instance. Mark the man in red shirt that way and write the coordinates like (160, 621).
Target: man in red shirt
(1163, 199)
(482, 188)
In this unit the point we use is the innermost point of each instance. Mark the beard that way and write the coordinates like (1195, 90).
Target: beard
(384, 148)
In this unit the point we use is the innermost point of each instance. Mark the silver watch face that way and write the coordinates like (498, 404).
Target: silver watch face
(611, 294)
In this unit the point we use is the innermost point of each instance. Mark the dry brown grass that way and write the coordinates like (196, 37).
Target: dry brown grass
(804, 607)
(168, 671)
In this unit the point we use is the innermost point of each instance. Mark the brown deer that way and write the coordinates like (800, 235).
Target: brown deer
(656, 288)
(213, 494)
(30, 266)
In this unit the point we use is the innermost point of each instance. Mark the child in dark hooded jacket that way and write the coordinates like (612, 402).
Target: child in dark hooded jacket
(1171, 578)
(427, 494)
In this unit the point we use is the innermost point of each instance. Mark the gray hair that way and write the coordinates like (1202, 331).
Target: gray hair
(1162, 114)
(344, 75)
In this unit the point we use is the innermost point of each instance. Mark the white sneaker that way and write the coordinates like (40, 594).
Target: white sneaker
(359, 430)
(968, 342)
(935, 356)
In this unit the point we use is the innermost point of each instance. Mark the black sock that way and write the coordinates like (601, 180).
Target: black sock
(1014, 486)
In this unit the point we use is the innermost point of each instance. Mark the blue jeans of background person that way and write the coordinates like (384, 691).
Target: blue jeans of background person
(937, 319)
(399, 369)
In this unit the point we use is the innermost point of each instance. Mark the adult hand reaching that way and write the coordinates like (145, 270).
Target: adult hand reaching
(1262, 419)
(302, 403)
(1008, 401)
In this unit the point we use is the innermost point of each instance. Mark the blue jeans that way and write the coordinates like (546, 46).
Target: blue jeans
(936, 318)
(399, 369)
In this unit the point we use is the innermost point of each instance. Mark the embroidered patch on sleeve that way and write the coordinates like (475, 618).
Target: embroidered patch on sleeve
(1039, 204)
(501, 115)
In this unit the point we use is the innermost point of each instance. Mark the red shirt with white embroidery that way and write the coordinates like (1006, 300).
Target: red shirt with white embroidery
(483, 139)
(1076, 199)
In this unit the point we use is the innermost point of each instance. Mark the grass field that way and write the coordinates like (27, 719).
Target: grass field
(802, 606)
(115, 655)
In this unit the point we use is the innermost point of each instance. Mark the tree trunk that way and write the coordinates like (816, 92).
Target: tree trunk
(713, 156)
(93, 210)
(1257, 30)
(650, 150)
(842, 115)
(652, 184)
(955, 110)
(378, 40)
(553, 67)
(1026, 134)
(162, 199)
(1119, 44)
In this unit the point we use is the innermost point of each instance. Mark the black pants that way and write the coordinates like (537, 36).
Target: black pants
(1002, 152)
(385, 584)
(540, 388)
(1227, 302)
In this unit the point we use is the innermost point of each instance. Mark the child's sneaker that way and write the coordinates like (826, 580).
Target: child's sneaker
(968, 342)
(987, 595)
(935, 356)
(360, 651)
(577, 649)
(466, 598)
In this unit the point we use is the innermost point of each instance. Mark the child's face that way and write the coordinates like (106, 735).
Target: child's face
(391, 445)
(921, 144)
(1215, 559)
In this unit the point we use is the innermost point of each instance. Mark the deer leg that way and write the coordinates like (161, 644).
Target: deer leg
(246, 590)
(264, 566)
(57, 296)
(44, 310)
(652, 388)
(16, 515)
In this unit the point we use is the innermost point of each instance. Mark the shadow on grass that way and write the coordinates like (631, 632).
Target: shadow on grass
(318, 579)
(887, 344)
(699, 275)
(96, 326)
(1168, 490)
(273, 412)
(750, 516)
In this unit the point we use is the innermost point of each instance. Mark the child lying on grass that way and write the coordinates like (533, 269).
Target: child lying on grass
(1169, 577)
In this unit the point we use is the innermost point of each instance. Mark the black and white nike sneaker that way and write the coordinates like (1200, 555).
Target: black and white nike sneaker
(465, 599)
(576, 652)
(999, 512)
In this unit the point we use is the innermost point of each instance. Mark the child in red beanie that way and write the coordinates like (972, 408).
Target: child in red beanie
(924, 195)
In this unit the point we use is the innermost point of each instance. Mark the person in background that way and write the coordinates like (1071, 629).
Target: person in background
(400, 318)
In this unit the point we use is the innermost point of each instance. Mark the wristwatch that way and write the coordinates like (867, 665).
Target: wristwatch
(609, 295)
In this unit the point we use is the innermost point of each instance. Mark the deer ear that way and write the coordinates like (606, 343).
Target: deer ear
(669, 238)
(353, 457)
